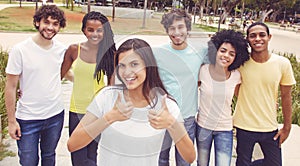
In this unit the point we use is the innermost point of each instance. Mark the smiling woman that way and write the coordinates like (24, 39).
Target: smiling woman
(133, 117)
(92, 63)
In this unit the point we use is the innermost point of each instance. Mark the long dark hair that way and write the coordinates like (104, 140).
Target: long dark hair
(152, 82)
(106, 49)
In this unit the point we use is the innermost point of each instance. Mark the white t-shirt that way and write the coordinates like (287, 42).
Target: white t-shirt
(40, 82)
(132, 142)
(215, 100)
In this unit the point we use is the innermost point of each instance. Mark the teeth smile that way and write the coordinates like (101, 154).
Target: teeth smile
(258, 44)
(129, 79)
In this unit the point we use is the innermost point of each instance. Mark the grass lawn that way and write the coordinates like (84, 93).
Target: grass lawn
(16, 19)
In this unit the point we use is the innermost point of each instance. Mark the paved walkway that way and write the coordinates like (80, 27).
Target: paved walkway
(290, 149)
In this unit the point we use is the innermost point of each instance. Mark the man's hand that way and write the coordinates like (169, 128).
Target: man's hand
(14, 130)
(283, 133)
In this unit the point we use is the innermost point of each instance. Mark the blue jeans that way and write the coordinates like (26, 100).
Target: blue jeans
(223, 141)
(44, 132)
(190, 126)
(87, 156)
(270, 148)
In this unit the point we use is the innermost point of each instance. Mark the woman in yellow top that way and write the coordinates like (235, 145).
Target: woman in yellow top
(92, 62)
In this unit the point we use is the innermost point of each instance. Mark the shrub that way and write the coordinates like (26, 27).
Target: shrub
(295, 91)
(3, 62)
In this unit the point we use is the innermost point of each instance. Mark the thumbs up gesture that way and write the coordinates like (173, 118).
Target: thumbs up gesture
(120, 111)
(161, 119)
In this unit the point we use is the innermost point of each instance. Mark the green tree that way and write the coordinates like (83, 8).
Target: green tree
(266, 7)
(228, 5)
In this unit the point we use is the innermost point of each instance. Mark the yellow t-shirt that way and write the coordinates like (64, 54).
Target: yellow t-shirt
(257, 99)
(85, 85)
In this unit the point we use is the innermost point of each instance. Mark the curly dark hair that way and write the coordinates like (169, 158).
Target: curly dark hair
(176, 14)
(107, 48)
(236, 39)
(49, 10)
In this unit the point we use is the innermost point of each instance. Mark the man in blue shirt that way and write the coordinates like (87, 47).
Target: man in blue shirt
(179, 65)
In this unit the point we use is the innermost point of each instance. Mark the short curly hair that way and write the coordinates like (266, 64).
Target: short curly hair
(176, 14)
(238, 42)
(49, 10)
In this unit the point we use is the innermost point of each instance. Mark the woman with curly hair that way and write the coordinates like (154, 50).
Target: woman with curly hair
(227, 51)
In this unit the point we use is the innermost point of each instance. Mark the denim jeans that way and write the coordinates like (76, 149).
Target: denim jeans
(190, 126)
(270, 148)
(223, 141)
(44, 132)
(87, 156)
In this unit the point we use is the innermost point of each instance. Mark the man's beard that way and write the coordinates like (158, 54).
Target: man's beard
(46, 37)
(179, 43)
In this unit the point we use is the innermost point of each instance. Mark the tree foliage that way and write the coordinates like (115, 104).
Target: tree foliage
(263, 8)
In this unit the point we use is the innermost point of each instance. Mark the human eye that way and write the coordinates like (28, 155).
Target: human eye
(232, 54)
(90, 29)
(263, 34)
(252, 36)
(121, 66)
(100, 30)
(171, 28)
(46, 21)
(222, 50)
(134, 64)
(56, 24)
(181, 27)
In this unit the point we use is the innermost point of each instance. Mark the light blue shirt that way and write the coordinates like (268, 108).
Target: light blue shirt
(179, 71)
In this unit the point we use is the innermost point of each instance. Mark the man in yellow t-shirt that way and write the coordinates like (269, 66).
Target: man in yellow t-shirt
(256, 116)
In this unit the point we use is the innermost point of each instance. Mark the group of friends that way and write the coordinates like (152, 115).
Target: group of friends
(136, 101)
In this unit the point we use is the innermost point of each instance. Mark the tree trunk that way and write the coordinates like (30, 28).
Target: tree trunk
(72, 5)
(265, 14)
(89, 6)
(113, 10)
(201, 2)
(223, 17)
(274, 16)
(67, 4)
(201, 12)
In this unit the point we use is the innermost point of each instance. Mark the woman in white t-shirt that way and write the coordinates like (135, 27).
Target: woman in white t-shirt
(227, 50)
(133, 117)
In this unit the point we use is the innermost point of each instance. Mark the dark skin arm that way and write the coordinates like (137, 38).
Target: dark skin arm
(236, 90)
(70, 57)
(286, 98)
